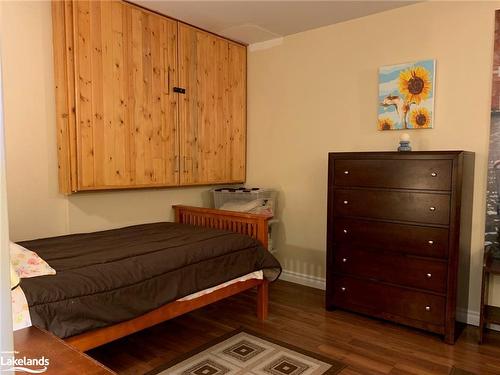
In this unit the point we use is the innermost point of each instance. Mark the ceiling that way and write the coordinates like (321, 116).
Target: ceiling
(259, 21)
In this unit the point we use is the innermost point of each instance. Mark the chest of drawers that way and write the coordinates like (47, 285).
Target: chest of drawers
(398, 236)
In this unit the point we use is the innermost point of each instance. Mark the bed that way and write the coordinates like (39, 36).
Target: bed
(113, 283)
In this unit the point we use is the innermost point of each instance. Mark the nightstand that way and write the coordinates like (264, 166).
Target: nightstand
(489, 314)
(33, 342)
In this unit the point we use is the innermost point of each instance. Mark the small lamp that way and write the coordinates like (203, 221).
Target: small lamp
(404, 142)
(14, 278)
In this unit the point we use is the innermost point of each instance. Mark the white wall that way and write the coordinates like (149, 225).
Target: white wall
(36, 207)
(6, 343)
(317, 92)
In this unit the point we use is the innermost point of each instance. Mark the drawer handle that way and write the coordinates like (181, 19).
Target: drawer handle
(346, 202)
(343, 289)
(427, 308)
(431, 242)
(344, 260)
(429, 275)
(345, 231)
(434, 174)
(346, 172)
(432, 208)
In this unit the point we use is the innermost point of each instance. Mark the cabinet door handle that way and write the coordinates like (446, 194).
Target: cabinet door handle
(427, 308)
(343, 289)
(180, 90)
(431, 242)
(168, 80)
(346, 172)
(434, 174)
(345, 231)
(176, 162)
(346, 202)
(344, 260)
(432, 208)
(429, 275)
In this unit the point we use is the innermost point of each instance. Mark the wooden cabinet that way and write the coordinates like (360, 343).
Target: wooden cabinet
(126, 115)
(212, 111)
(399, 236)
(144, 100)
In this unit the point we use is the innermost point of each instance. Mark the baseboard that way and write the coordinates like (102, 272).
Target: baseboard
(468, 316)
(465, 316)
(303, 279)
(472, 318)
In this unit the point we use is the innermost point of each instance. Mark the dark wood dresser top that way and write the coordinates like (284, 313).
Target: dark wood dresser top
(33, 342)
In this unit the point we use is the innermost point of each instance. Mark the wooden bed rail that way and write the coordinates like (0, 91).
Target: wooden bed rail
(253, 225)
(97, 337)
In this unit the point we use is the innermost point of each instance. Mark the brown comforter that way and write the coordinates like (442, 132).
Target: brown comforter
(111, 276)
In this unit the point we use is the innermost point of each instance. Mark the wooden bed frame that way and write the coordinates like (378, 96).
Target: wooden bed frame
(253, 225)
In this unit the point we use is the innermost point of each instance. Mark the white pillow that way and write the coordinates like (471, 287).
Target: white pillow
(27, 263)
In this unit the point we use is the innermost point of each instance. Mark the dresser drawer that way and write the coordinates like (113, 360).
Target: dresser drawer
(397, 269)
(393, 205)
(402, 238)
(388, 173)
(385, 301)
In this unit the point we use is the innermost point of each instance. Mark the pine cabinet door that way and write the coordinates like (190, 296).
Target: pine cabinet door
(237, 111)
(126, 111)
(212, 120)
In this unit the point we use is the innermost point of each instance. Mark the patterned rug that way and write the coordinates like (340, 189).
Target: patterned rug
(245, 352)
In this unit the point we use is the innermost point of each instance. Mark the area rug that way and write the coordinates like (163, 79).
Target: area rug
(246, 352)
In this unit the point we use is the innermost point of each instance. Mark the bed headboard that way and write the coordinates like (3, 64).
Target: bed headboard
(252, 225)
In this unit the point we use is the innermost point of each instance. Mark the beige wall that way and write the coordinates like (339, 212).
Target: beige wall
(36, 209)
(314, 93)
(317, 92)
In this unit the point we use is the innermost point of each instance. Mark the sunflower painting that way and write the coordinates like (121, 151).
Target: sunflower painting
(406, 96)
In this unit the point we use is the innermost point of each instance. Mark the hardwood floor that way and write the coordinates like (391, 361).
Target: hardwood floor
(297, 316)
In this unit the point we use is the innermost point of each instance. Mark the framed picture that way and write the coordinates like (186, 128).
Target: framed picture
(492, 230)
(406, 96)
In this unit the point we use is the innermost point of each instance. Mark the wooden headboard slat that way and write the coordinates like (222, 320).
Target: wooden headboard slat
(253, 225)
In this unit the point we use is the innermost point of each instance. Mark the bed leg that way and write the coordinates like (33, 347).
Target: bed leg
(262, 300)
